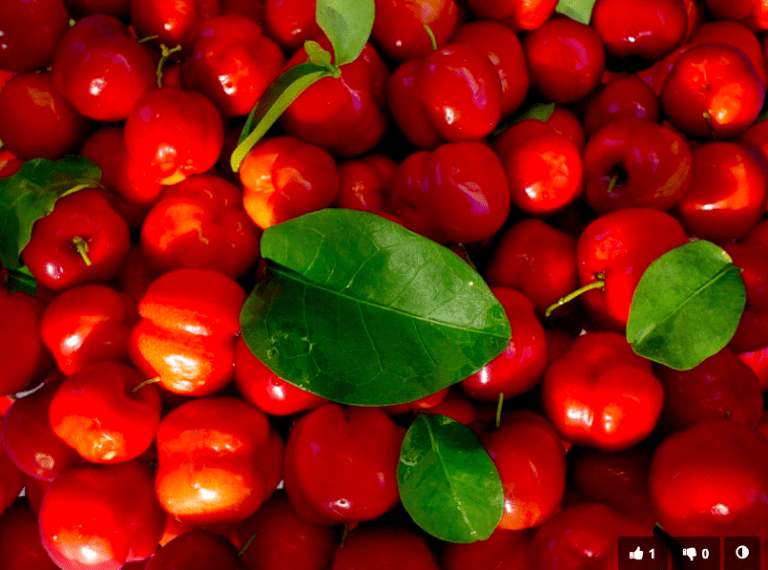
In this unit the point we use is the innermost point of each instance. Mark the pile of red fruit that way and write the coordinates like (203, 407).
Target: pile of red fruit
(228, 335)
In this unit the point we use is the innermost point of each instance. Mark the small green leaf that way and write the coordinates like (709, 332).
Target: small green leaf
(278, 97)
(359, 310)
(31, 194)
(448, 482)
(687, 306)
(317, 54)
(538, 111)
(348, 25)
(579, 10)
(21, 280)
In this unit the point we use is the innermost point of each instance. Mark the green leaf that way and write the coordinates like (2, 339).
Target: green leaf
(348, 25)
(21, 280)
(687, 306)
(317, 54)
(359, 310)
(448, 482)
(538, 111)
(31, 194)
(278, 97)
(579, 10)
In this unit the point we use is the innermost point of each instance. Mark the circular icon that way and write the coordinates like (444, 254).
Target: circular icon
(742, 552)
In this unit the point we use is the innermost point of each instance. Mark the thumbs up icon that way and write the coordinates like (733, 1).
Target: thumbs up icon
(636, 555)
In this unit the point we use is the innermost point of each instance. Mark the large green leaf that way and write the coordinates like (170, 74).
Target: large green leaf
(579, 10)
(31, 194)
(348, 25)
(687, 306)
(359, 310)
(448, 482)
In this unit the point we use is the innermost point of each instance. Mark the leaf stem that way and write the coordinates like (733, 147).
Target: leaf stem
(154, 380)
(431, 35)
(82, 248)
(498, 410)
(598, 284)
(166, 53)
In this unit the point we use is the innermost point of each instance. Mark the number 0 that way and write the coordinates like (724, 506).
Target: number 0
(705, 553)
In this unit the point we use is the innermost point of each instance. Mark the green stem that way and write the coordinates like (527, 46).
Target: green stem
(708, 118)
(599, 284)
(344, 535)
(166, 53)
(431, 35)
(471, 263)
(612, 183)
(82, 248)
(247, 544)
(148, 39)
(154, 380)
(498, 410)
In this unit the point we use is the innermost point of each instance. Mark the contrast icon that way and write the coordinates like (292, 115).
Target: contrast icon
(741, 552)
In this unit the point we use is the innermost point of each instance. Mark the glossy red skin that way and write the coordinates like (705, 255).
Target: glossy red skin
(29, 440)
(544, 170)
(284, 540)
(652, 165)
(584, 535)
(503, 550)
(520, 365)
(616, 479)
(187, 334)
(80, 8)
(600, 394)
(24, 358)
(200, 223)
(751, 257)
(20, 539)
(454, 94)
(97, 412)
(36, 120)
(735, 35)
(467, 203)
(620, 246)
(758, 19)
(398, 29)
(649, 30)
(218, 461)
(290, 23)
(365, 183)
(418, 405)
(712, 480)
(727, 195)
(506, 54)
(346, 116)
(135, 276)
(11, 479)
(759, 233)
(537, 259)
(34, 490)
(720, 386)
(87, 324)
(656, 74)
(566, 123)
(44, 20)
(518, 15)
(261, 387)
(566, 59)
(341, 464)
(531, 461)
(715, 79)
(252, 9)
(284, 177)
(757, 134)
(101, 69)
(101, 516)
(625, 98)
(456, 405)
(174, 134)
(174, 21)
(757, 360)
(379, 548)
(196, 550)
(51, 255)
(231, 63)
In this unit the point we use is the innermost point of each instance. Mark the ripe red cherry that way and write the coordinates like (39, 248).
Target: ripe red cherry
(36, 120)
(174, 134)
(566, 59)
(291, 22)
(101, 69)
(30, 32)
(624, 98)
(398, 29)
(174, 21)
(20, 539)
(503, 550)
(712, 92)
(639, 28)
(751, 256)
(196, 550)
(365, 183)
(383, 547)
(518, 15)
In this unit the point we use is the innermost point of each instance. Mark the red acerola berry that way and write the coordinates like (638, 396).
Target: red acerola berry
(566, 123)
(173, 21)
(624, 98)
(649, 30)
(365, 183)
(503, 550)
(291, 22)
(383, 547)
(757, 360)
(341, 464)
(727, 195)
(20, 539)
(174, 134)
(518, 15)
(712, 92)
(566, 59)
(231, 63)
(284, 178)
(399, 28)
(751, 257)
(36, 120)
(30, 32)
(197, 549)
(102, 69)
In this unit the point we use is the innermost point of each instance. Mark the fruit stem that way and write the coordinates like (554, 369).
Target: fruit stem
(708, 118)
(471, 263)
(727, 414)
(612, 183)
(598, 284)
(154, 380)
(431, 35)
(344, 535)
(498, 410)
(82, 248)
(148, 39)
(166, 53)
(247, 544)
